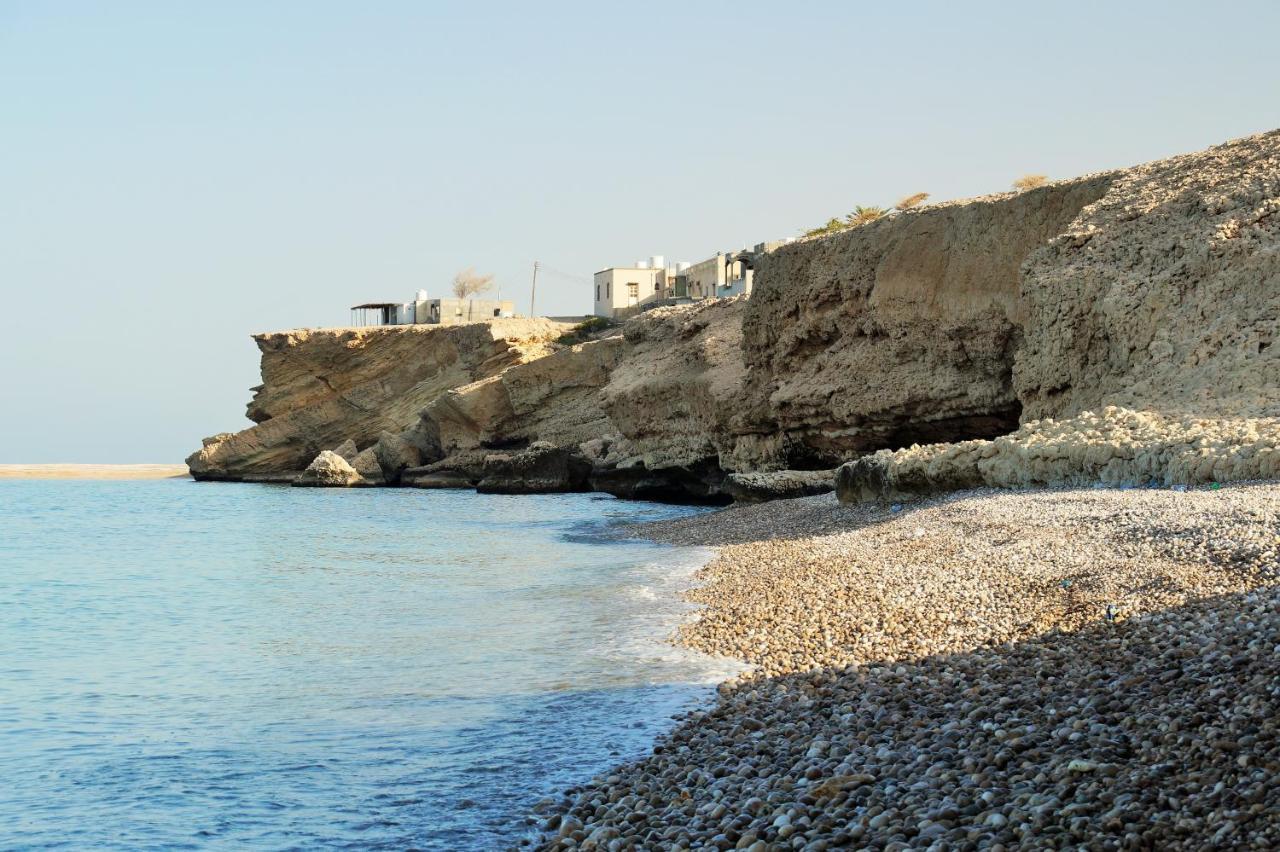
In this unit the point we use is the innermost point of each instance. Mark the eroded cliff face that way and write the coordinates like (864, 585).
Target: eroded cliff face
(903, 330)
(655, 407)
(323, 387)
(1147, 349)
(1164, 295)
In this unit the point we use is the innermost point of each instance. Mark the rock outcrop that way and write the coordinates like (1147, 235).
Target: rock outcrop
(542, 468)
(652, 411)
(778, 485)
(1116, 447)
(322, 388)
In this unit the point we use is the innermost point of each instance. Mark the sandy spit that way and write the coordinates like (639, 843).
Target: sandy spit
(989, 669)
(92, 471)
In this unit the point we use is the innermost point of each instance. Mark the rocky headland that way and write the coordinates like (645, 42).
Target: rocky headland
(1116, 327)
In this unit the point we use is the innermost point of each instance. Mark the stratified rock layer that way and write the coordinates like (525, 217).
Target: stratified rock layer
(322, 388)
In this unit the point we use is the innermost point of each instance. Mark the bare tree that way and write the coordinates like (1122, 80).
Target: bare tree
(1030, 181)
(468, 283)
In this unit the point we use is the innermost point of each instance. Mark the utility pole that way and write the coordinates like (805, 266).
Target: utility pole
(533, 291)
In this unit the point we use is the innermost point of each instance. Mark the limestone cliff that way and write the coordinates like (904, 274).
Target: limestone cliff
(903, 330)
(323, 387)
(1164, 294)
(1155, 288)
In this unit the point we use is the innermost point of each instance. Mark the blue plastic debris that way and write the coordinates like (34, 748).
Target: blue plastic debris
(896, 507)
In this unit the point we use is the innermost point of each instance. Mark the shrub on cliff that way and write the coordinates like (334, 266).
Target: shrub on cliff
(833, 224)
(912, 200)
(583, 330)
(1030, 182)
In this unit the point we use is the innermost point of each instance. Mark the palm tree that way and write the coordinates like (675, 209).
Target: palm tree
(862, 215)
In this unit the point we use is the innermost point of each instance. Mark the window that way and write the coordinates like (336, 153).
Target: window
(608, 290)
(633, 290)
(597, 292)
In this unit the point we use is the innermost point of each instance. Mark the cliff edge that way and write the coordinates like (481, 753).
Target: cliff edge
(1082, 331)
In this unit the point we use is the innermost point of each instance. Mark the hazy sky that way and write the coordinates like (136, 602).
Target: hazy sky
(175, 176)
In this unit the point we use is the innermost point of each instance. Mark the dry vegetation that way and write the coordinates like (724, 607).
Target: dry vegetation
(468, 283)
(1030, 182)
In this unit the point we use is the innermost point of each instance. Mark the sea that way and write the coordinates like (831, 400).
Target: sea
(236, 666)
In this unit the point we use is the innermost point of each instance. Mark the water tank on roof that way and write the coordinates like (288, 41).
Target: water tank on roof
(683, 265)
(422, 296)
(642, 264)
(657, 261)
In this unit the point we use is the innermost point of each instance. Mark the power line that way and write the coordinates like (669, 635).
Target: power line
(569, 275)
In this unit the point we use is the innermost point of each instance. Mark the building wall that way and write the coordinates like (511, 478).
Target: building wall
(622, 287)
(705, 278)
(462, 311)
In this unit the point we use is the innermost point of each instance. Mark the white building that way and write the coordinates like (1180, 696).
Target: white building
(620, 287)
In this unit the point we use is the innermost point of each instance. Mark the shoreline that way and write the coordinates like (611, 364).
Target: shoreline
(986, 667)
(93, 471)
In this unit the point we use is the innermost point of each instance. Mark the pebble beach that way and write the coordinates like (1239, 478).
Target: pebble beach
(1092, 668)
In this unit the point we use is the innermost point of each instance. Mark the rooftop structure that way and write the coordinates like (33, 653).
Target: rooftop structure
(424, 311)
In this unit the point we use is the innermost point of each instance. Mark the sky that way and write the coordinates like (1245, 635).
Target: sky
(177, 176)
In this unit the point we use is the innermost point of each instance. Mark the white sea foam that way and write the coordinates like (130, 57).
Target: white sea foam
(652, 609)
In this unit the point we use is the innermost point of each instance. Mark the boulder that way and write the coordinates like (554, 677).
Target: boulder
(366, 464)
(542, 468)
(394, 455)
(347, 449)
(329, 470)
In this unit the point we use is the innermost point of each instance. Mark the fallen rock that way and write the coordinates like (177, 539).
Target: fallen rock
(542, 468)
(347, 449)
(695, 483)
(395, 454)
(329, 470)
(366, 464)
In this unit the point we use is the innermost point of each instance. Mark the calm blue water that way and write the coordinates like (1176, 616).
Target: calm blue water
(188, 665)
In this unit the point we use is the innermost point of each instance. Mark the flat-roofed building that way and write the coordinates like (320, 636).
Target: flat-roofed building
(621, 287)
